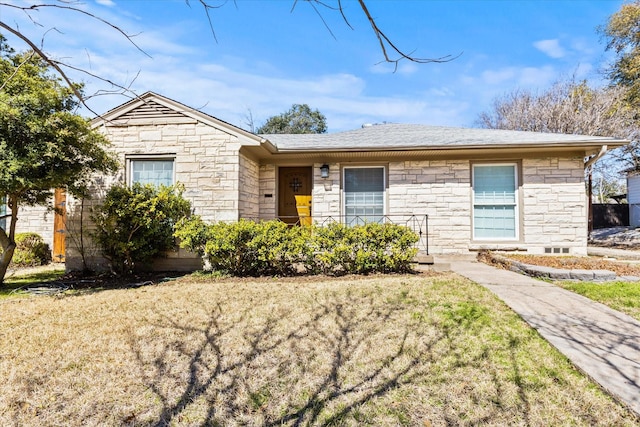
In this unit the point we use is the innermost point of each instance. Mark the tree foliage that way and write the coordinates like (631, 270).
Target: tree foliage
(300, 118)
(135, 223)
(622, 34)
(43, 144)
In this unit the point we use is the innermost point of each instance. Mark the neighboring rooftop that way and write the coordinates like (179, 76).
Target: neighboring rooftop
(407, 136)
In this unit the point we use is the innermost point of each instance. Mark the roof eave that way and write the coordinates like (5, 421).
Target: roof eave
(586, 144)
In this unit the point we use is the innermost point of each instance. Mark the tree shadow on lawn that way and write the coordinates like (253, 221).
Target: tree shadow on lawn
(337, 364)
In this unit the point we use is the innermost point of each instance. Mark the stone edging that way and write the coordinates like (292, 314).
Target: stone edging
(560, 274)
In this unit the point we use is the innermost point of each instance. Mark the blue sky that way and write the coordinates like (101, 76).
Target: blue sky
(268, 56)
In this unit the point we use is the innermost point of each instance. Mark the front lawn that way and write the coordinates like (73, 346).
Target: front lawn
(380, 350)
(621, 296)
(13, 283)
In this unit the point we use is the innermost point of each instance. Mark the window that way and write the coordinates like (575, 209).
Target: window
(495, 202)
(3, 212)
(363, 194)
(152, 171)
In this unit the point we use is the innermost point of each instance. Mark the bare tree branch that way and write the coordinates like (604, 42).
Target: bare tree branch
(383, 40)
(27, 58)
(33, 7)
(387, 47)
(46, 58)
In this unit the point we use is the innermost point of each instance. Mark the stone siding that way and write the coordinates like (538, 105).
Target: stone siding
(206, 161)
(551, 201)
(249, 197)
(326, 199)
(554, 204)
(268, 196)
(36, 219)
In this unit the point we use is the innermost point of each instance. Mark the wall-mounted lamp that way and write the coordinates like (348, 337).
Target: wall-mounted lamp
(324, 171)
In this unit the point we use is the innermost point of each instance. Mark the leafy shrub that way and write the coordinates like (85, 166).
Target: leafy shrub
(248, 248)
(364, 249)
(135, 223)
(30, 250)
(245, 248)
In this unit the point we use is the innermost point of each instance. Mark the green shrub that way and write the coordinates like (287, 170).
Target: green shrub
(363, 249)
(248, 248)
(135, 223)
(245, 248)
(30, 250)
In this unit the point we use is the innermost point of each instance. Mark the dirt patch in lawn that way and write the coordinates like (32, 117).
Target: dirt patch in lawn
(621, 268)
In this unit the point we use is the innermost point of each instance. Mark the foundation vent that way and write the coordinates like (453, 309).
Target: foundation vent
(556, 250)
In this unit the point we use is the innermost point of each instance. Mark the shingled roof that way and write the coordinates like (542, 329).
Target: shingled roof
(393, 136)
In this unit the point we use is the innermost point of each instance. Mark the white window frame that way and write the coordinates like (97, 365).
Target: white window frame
(344, 185)
(130, 159)
(516, 202)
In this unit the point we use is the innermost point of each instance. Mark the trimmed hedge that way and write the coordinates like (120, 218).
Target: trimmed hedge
(248, 248)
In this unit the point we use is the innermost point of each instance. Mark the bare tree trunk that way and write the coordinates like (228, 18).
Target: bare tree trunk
(8, 241)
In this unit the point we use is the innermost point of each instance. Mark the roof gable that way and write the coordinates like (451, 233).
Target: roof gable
(151, 108)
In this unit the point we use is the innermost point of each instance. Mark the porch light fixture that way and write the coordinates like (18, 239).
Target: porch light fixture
(324, 171)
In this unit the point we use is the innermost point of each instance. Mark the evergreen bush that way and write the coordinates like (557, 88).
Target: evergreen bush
(135, 223)
(248, 248)
(31, 250)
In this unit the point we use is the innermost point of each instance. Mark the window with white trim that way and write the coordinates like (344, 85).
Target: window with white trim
(152, 171)
(363, 194)
(495, 201)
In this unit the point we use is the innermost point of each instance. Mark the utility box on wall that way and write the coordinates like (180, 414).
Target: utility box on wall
(633, 197)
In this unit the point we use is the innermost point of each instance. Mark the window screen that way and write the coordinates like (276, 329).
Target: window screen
(157, 172)
(364, 195)
(494, 202)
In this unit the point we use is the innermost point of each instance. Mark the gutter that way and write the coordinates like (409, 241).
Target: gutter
(587, 165)
(596, 157)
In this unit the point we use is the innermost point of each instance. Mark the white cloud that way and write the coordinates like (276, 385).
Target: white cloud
(517, 77)
(550, 48)
(109, 3)
(495, 77)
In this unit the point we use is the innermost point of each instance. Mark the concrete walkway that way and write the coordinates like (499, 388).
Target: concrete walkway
(603, 343)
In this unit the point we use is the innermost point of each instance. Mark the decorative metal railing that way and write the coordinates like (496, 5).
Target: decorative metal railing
(419, 224)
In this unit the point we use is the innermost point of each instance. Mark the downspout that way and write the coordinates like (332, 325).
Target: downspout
(587, 165)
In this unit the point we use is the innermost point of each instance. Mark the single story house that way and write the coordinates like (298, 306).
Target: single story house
(463, 189)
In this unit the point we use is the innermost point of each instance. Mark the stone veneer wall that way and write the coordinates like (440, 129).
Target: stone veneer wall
(35, 219)
(326, 199)
(207, 162)
(249, 190)
(552, 202)
(267, 196)
(440, 189)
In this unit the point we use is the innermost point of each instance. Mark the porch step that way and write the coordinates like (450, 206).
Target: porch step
(422, 259)
(441, 263)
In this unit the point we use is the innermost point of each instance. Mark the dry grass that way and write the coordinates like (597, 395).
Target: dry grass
(388, 350)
